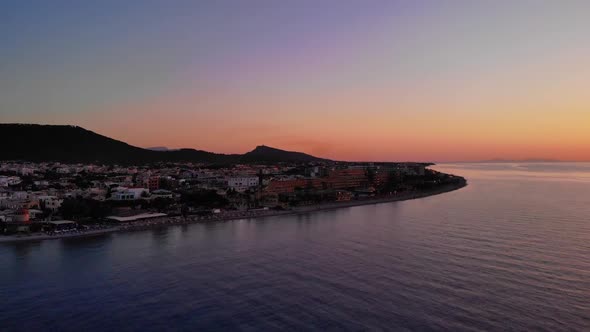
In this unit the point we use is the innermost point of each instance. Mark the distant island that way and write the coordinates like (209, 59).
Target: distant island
(528, 160)
(66, 181)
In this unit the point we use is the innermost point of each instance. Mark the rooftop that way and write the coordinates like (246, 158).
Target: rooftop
(61, 222)
(137, 217)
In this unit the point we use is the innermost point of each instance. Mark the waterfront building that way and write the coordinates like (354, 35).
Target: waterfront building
(289, 186)
(347, 178)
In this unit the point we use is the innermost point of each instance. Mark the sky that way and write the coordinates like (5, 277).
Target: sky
(440, 80)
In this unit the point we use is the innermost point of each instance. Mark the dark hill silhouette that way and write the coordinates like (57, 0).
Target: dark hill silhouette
(264, 153)
(31, 142)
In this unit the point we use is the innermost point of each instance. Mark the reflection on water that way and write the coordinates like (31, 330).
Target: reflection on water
(509, 252)
(22, 250)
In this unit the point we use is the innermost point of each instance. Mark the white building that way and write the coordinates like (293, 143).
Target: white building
(26, 171)
(20, 195)
(130, 194)
(63, 170)
(41, 183)
(6, 181)
(242, 183)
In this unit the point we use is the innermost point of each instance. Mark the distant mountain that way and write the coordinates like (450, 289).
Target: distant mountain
(31, 142)
(158, 148)
(264, 153)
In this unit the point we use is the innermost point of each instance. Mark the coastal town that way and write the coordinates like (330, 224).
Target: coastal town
(50, 199)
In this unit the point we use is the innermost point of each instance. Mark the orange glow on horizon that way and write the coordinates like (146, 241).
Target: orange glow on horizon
(331, 127)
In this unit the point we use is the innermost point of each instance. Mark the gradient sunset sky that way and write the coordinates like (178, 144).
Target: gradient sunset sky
(442, 80)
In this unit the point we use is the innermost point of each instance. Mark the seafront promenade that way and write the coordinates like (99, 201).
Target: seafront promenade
(229, 216)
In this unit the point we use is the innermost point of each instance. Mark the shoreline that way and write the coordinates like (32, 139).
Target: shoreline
(231, 216)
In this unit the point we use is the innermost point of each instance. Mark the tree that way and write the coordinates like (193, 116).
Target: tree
(393, 182)
(82, 182)
(184, 211)
(161, 203)
(83, 208)
(371, 175)
(204, 198)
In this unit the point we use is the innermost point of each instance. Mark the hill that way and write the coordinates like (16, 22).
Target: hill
(31, 142)
(264, 153)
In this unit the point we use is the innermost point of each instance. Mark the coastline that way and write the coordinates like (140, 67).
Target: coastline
(234, 215)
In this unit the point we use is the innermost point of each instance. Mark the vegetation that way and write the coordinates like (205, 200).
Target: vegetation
(203, 198)
(81, 209)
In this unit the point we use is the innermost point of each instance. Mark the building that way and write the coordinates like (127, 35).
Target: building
(130, 194)
(63, 170)
(50, 202)
(153, 183)
(20, 195)
(6, 181)
(123, 196)
(21, 216)
(316, 171)
(26, 171)
(289, 186)
(17, 222)
(347, 178)
(41, 183)
(242, 183)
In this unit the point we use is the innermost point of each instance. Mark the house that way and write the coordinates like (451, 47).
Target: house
(130, 194)
(63, 170)
(26, 171)
(20, 195)
(6, 181)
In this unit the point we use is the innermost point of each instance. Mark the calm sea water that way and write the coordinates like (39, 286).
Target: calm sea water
(509, 252)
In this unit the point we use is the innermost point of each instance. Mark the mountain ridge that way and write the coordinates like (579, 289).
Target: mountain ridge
(68, 143)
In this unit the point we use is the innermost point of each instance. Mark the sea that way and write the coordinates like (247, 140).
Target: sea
(509, 252)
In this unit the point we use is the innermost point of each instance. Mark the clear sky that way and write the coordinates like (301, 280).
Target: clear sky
(392, 80)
